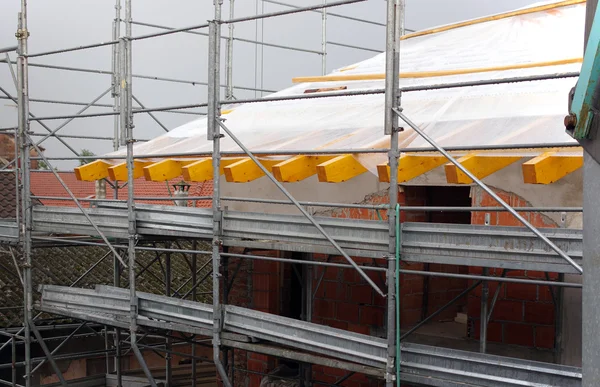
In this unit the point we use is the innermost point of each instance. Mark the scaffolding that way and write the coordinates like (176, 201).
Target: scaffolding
(120, 226)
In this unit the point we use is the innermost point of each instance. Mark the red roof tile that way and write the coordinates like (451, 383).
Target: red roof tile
(44, 183)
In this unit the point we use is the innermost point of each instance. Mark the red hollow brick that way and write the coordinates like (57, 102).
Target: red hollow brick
(362, 294)
(336, 324)
(323, 309)
(409, 318)
(347, 312)
(545, 294)
(370, 315)
(539, 313)
(518, 334)
(506, 310)
(523, 292)
(351, 276)
(411, 301)
(359, 329)
(544, 336)
(335, 290)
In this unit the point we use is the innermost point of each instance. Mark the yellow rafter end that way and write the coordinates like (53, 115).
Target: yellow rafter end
(119, 171)
(93, 171)
(246, 170)
(165, 170)
(298, 168)
(550, 167)
(339, 169)
(202, 170)
(410, 166)
(479, 165)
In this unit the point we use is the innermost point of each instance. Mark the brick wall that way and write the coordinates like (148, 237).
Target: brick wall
(345, 300)
(524, 314)
(7, 149)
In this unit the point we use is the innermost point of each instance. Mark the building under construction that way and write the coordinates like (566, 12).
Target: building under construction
(413, 219)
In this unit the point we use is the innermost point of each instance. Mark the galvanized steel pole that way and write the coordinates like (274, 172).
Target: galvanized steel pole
(127, 119)
(395, 23)
(324, 38)
(116, 77)
(229, 58)
(25, 165)
(214, 135)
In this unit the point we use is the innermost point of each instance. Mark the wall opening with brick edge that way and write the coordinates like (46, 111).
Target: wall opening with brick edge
(522, 324)
(524, 315)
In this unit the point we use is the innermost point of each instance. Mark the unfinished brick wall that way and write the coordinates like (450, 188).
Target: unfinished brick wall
(524, 314)
(345, 300)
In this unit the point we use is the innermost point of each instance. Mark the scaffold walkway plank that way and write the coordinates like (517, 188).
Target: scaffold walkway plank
(474, 245)
(425, 365)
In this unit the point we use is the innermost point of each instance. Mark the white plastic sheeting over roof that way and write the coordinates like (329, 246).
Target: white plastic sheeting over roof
(517, 113)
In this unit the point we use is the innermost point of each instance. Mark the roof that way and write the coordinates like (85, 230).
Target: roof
(538, 41)
(45, 183)
(8, 204)
(64, 265)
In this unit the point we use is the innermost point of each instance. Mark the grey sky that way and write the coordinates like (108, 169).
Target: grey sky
(66, 23)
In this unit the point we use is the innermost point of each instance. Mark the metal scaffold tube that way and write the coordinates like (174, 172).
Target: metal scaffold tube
(26, 215)
(324, 38)
(214, 135)
(229, 55)
(128, 126)
(116, 95)
(395, 23)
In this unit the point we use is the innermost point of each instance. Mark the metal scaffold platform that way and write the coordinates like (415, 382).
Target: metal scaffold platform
(127, 316)
(432, 366)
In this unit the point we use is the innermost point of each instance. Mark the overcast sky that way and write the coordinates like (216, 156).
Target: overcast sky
(67, 23)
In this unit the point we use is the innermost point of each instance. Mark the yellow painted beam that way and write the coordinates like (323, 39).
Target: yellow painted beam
(202, 170)
(93, 171)
(525, 11)
(550, 167)
(339, 169)
(119, 171)
(479, 165)
(436, 73)
(246, 170)
(165, 169)
(298, 168)
(411, 166)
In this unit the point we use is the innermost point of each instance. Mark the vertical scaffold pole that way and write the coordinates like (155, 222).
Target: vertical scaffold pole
(214, 135)
(127, 120)
(116, 92)
(324, 39)
(116, 78)
(25, 166)
(395, 23)
(229, 58)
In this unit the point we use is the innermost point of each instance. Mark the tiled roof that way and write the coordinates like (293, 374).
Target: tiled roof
(8, 194)
(44, 183)
(64, 265)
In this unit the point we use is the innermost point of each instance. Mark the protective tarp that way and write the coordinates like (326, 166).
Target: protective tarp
(502, 114)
